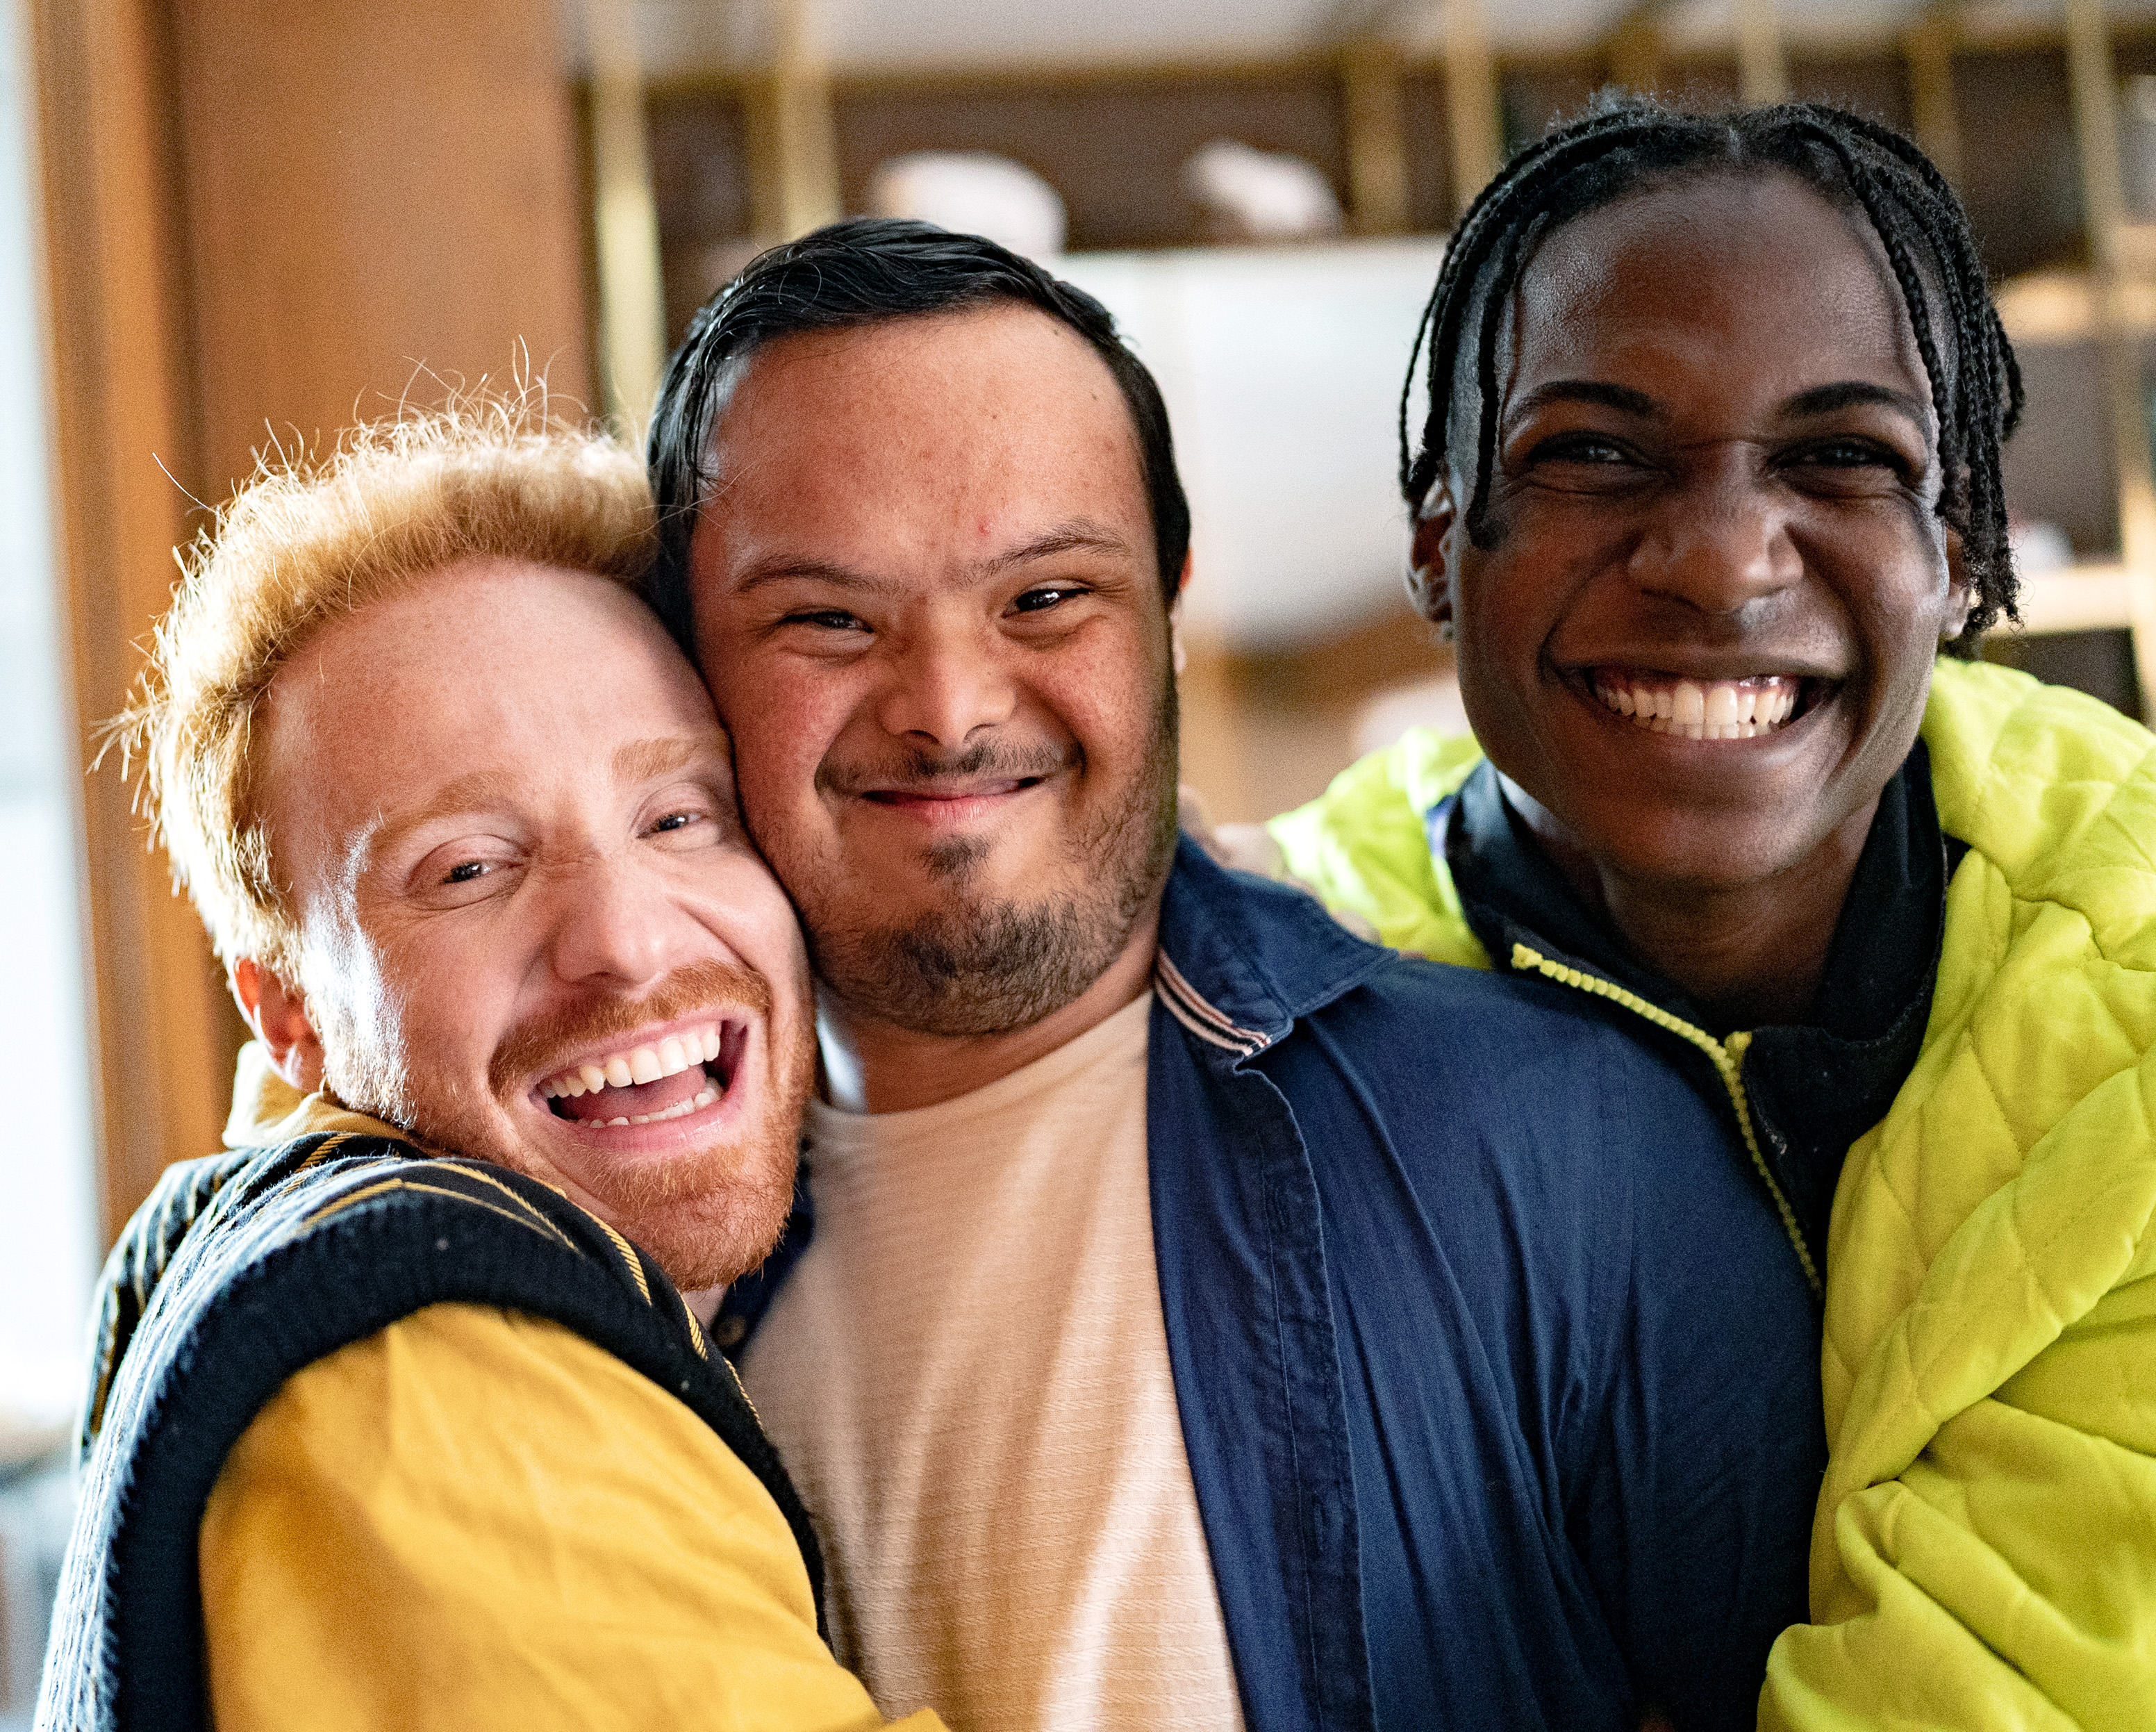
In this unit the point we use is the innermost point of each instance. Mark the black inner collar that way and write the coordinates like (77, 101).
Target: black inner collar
(1814, 1087)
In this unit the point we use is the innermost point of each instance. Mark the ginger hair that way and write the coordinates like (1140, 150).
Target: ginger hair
(303, 543)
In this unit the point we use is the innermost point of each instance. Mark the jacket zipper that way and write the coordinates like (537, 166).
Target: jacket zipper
(1727, 1058)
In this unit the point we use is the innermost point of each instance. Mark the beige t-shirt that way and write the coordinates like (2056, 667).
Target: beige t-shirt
(968, 1377)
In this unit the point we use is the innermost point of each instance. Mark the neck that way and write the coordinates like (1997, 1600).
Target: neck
(872, 1066)
(1749, 954)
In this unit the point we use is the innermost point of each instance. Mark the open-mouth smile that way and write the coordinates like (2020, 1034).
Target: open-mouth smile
(1748, 708)
(679, 1075)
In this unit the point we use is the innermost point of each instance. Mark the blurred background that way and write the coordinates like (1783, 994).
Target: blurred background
(224, 223)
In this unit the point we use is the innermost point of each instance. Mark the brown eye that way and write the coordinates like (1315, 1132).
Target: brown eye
(465, 872)
(1048, 595)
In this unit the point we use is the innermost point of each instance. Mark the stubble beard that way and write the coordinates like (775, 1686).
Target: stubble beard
(982, 966)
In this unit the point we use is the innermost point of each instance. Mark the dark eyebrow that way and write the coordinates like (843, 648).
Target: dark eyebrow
(1621, 398)
(780, 571)
(1849, 394)
(1079, 534)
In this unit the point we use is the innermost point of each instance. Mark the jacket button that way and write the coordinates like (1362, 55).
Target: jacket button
(730, 1332)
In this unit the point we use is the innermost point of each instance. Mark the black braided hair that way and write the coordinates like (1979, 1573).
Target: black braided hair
(1625, 144)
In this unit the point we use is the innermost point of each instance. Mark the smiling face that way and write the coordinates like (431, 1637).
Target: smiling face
(530, 928)
(1700, 638)
(926, 600)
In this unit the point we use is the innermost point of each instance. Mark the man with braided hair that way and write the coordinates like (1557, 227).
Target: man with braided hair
(1710, 473)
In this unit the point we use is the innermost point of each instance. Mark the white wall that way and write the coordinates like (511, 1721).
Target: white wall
(48, 1224)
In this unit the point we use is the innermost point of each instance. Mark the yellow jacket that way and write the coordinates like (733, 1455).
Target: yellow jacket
(476, 1518)
(1983, 1554)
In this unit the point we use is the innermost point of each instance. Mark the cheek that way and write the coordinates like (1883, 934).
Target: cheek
(748, 911)
(783, 717)
(443, 1003)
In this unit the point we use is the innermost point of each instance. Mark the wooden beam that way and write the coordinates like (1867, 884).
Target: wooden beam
(1377, 137)
(116, 312)
(624, 219)
(1634, 48)
(1928, 47)
(2095, 93)
(792, 137)
(1470, 100)
(1763, 73)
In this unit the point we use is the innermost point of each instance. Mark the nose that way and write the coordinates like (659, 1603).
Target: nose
(944, 683)
(1720, 542)
(614, 926)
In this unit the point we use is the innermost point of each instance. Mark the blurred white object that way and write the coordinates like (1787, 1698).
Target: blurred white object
(1249, 194)
(972, 193)
(1282, 366)
(2039, 548)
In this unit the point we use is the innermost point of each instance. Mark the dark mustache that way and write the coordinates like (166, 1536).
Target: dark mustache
(991, 759)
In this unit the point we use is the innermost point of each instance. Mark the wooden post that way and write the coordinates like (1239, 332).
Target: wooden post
(1635, 48)
(259, 216)
(1470, 101)
(116, 313)
(1377, 137)
(793, 141)
(2095, 90)
(1762, 75)
(1928, 46)
(625, 219)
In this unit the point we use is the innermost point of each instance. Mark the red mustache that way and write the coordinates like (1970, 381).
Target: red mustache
(704, 985)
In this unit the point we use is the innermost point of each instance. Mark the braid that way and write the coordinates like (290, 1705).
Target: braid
(1623, 144)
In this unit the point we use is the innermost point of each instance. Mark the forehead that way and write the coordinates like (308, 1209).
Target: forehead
(1754, 281)
(917, 432)
(486, 666)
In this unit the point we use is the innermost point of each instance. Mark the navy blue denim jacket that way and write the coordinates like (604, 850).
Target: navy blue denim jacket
(1499, 1384)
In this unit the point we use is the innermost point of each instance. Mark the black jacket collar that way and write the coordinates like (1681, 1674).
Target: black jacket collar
(1815, 1085)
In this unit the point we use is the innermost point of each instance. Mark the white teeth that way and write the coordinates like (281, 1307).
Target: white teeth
(671, 1055)
(1711, 710)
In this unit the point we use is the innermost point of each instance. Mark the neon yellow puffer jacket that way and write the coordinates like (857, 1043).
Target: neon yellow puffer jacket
(1985, 1551)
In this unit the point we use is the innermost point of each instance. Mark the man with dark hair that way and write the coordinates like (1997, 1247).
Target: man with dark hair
(1710, 473)
(1192, 1316)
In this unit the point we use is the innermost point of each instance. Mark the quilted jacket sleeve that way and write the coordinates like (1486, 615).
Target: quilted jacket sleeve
(1984, 1553)
(1361, 845)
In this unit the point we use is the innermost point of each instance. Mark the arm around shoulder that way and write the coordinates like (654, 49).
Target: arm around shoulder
(476, 1518)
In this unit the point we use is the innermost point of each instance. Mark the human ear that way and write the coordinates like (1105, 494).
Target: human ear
(1430, 578)
(278, 1016)
(1960, 598)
